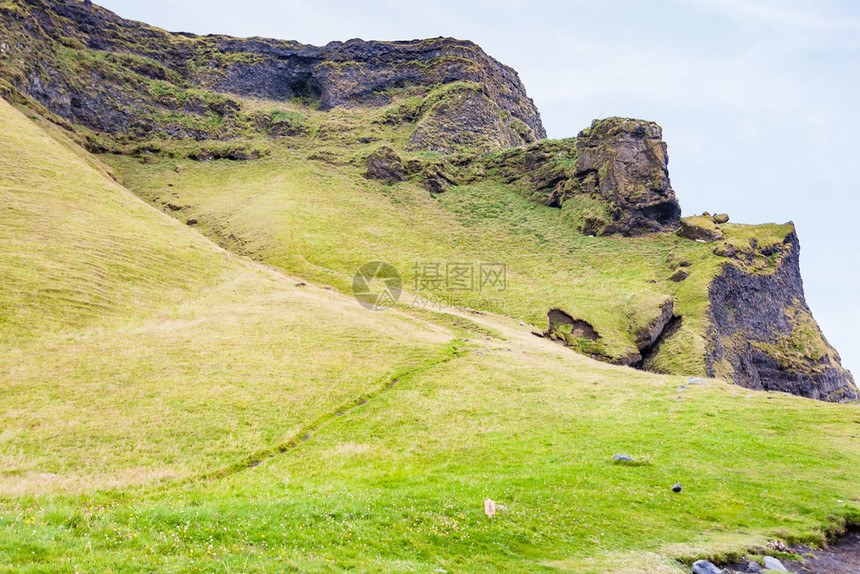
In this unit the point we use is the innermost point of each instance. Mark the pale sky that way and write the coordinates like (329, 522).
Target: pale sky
(758, 99)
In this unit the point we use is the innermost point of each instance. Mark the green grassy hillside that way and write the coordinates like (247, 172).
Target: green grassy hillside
(134, 349)
(263, 144)
(169, 406)
(321, 219)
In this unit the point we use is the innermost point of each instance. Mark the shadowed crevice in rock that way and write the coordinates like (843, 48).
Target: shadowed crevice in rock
(560, 321)
(672, 326)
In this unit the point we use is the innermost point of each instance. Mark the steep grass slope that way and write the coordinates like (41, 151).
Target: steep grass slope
(133, 348)
(323, 220)
(397, 485)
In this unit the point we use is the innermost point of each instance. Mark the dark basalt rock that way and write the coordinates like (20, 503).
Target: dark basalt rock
(50, 58)
(762, 334)
(625, 162)
(678, 276)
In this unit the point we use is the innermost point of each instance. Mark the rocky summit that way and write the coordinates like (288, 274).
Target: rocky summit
(92, 68)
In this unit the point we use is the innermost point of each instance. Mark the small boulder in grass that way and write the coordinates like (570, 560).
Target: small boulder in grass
(489, 508)
(623, 458)
(705, 567)
(677, 487)
(771, 563)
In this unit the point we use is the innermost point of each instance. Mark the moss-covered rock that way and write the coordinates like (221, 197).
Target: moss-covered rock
(727, 249)
(625, 162)
(464, 118)
(678, 276)
(648, 315)
(613, 178)
(131, 80)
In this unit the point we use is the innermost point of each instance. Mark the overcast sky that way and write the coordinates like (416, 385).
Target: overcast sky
(758, 99)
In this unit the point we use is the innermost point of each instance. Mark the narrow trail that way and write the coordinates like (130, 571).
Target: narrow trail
(510, 331)
(258, 457)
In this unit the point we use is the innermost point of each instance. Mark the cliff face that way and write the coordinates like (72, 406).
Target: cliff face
(92, 68)
(762, 334)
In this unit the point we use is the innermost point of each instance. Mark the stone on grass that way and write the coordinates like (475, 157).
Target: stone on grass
(385, 165)
(705, 567)
(772, 563)
(679, 276)
(700, 229)
(676, 487)
(623, 457)
(753, 568)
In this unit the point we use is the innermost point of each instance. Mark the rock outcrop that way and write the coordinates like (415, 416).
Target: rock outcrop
(649, 330)
(95, 69)
(762, 334)
(625, 162)
(612, 178)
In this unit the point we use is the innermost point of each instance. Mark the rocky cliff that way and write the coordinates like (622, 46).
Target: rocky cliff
(762, 334)
(95, 69)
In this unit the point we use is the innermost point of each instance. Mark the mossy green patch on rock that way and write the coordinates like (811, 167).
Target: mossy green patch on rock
(462, 118)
